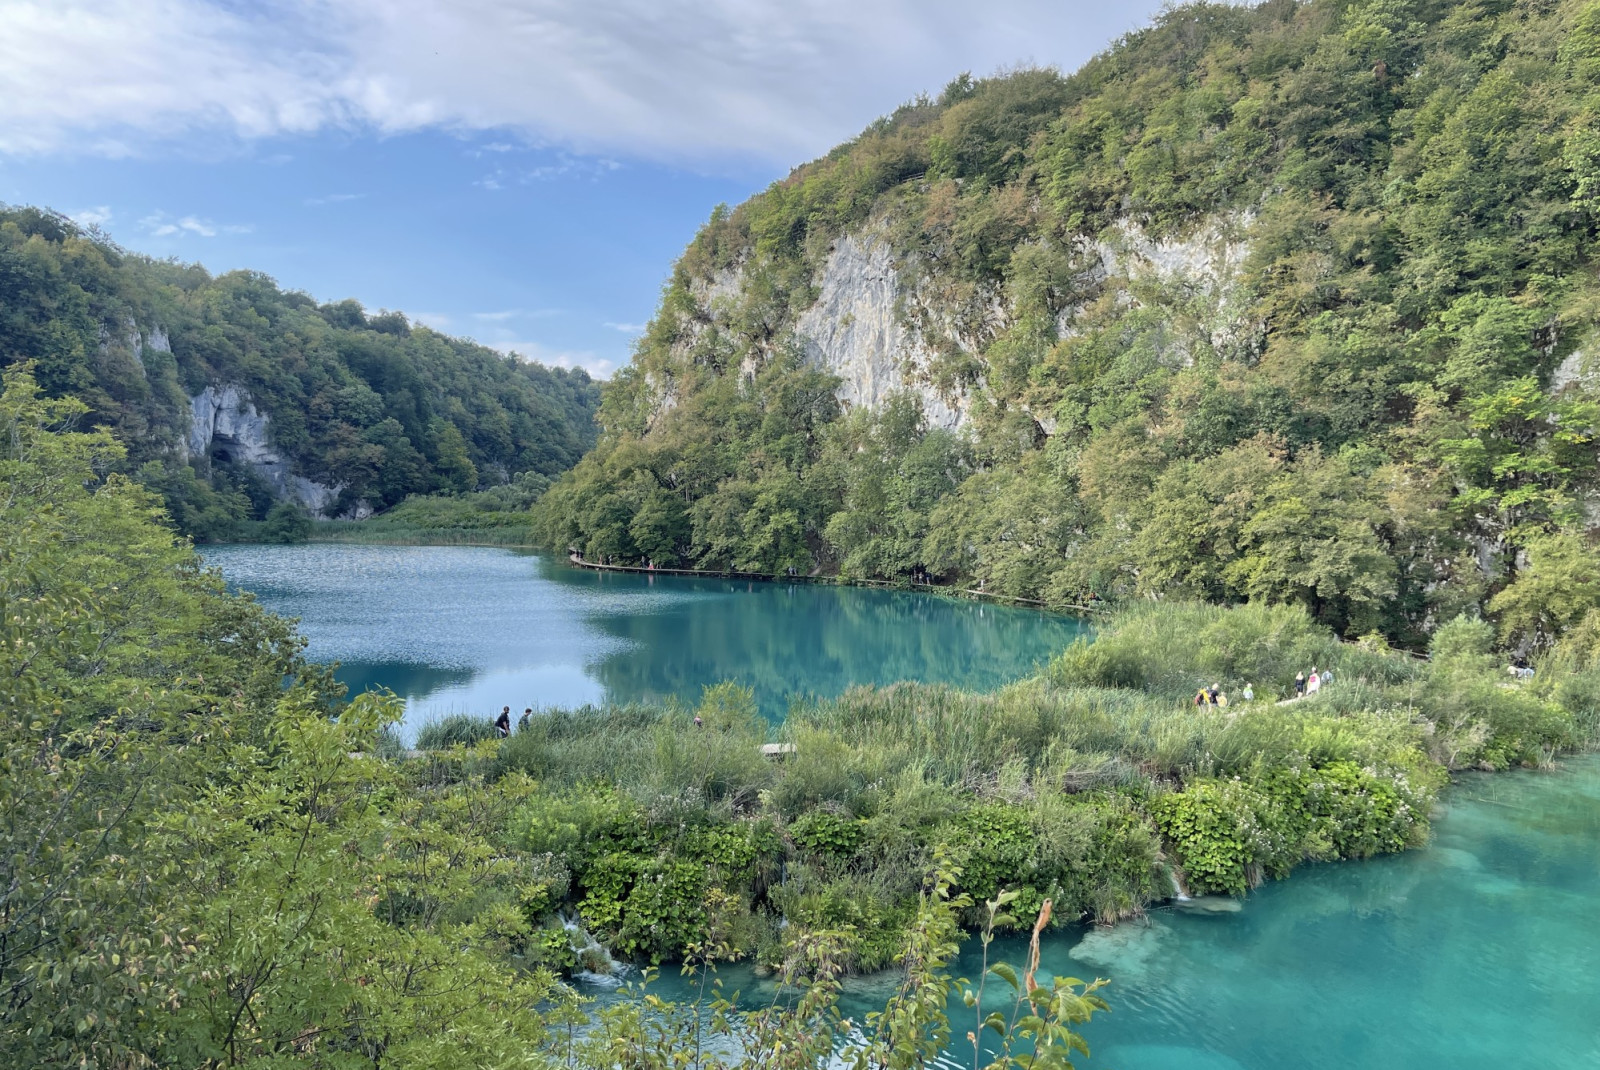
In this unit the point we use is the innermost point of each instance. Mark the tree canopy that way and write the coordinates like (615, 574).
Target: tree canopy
(369, 403)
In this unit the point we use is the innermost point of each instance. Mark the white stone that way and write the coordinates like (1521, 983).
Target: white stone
(855, 330)
(1574, 369)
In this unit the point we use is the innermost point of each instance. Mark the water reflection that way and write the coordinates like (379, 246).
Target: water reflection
(471, 629)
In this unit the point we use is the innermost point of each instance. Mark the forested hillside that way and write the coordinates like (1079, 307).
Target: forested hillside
(231, 393)
(1284, 303)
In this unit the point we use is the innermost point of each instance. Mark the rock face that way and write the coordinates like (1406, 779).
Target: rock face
(880, 323)
(224, 423)
(864, 324)
(856, 331)
(1574, 369)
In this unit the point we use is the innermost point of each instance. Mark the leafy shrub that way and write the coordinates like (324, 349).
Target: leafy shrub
(826, 833)
(1227, 835)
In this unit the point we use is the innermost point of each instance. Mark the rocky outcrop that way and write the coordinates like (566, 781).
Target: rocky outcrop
(884, 327)
(1574, 369)
(134, 342)
(856, 331)
(873, 321)
(1200, 270)
(225, 425)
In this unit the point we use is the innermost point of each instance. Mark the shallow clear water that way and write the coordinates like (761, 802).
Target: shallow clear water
(1478, 952)
(471, 629)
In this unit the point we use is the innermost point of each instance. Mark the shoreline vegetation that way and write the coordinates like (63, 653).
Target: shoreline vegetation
(1095, 784)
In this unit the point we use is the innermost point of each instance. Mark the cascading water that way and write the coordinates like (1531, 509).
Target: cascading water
(595, 964)
(1178, 894)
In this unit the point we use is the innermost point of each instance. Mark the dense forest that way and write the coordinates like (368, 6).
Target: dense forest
(1360, 388)
(370, 406)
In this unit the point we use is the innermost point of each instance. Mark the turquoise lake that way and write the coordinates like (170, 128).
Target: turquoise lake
(1480, 951)
(471, 629)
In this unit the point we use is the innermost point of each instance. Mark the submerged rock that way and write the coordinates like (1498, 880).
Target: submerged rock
(1127, 951)
(1209, 904)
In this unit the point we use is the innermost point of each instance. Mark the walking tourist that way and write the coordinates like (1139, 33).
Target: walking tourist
(502, 723)
(1314, 682)
(1249, 693)
(1299, 685)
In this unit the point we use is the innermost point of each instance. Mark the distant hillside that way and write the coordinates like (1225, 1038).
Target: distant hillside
(231, 393)
(1285, 303)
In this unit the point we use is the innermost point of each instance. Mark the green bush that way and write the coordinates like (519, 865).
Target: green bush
(825, 833)
(286, 522)
(1227, 835)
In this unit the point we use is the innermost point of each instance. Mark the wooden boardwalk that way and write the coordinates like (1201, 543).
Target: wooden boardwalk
(728, 574)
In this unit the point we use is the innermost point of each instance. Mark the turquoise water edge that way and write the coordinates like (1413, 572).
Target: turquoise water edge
(1480, 950)
(471, 629)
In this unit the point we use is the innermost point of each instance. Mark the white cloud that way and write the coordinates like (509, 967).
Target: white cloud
(332, 198)
(596, 365)
(97, 216)
(516, 313)
(437, 320)
(160, 225)
(699, 81)
(627, 328)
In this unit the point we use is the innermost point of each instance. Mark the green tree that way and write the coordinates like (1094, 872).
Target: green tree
(1556, 590)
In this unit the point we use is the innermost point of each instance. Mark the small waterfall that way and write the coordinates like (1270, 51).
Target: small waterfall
(595, 964)
(1178, 894)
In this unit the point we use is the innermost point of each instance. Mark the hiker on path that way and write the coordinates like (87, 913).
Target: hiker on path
(1249, 693)
(527, 716)
(1213, 692)
(1299, 685)
(1201, 698)
(502, 723)
(1314, 684)
(1327, 677)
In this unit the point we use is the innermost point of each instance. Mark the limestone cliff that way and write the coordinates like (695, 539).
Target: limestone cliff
(225, 425)
(881, 321)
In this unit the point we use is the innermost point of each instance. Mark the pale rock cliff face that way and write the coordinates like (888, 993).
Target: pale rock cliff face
(867, 323)
(1202, 269)
(1575, 369)
(224, 422)
(856, 331)
(877, 320)
(134, 342)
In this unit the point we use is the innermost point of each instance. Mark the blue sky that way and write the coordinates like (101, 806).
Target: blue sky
(522, 172)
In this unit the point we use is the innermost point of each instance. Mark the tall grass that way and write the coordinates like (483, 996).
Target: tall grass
(458, 728)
